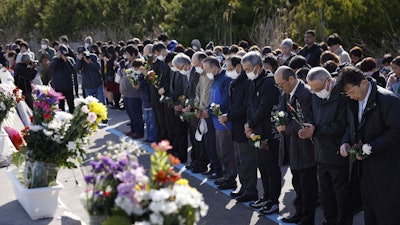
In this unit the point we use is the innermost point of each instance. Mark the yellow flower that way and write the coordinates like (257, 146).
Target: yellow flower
(182, 181)
(256, 137)
(99, 109)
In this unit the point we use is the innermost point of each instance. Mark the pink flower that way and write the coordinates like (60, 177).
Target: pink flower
(85, 109)
(92, 117)
(164, 145)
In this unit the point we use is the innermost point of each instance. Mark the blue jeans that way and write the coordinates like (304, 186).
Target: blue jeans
(133, 107)
(151, 129)
(97, 92)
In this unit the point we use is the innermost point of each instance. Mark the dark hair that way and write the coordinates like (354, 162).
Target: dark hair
(140, 47)
(302, 73)
(201, 56)
(265, 50)
(350, 75)
(330, 65)
(271, 60)
(312, 32)
(244, 44)
(396, 61)
(24, 44)
(209, 52)
(163, 37)
(233, 49)
(121, 43)
(55, 43)
(170, 56)
(328, 55)
(189, 52)
(323, 46)
(179, 48)
(64, 38)
(158, 47)
(111, 51)
(137, 63)
(297, 62)
(212, 61)
(255, 48)
(387, 58)
(368, 64)
(287, 72)
(234, 59)
(334, 39)
(132, 50)
(146, 42)
(356, 51)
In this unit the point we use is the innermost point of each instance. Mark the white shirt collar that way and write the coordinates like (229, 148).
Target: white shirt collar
(368, 94)
(295, 88)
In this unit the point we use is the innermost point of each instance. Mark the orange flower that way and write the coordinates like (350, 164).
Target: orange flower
(173, 176)
(173, 160)
(161, 177)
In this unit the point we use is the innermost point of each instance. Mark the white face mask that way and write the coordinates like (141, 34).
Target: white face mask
(368, 74)
(184, 72)
(210, 76)
(232, 74)
(87, 45)
(324, 94)
(252, 75)
(174, 69)
(199, 70)
(137, 72)
(161, 57)
(43, 46)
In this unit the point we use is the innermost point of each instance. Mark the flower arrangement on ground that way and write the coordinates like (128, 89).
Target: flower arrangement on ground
(55, 137)
(7, 100)
(163, 198)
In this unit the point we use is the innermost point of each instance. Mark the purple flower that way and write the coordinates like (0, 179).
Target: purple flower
(90, 179)
(97, 166)
(125, 188)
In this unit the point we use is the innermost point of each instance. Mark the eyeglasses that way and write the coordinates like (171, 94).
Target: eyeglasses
(281, 84)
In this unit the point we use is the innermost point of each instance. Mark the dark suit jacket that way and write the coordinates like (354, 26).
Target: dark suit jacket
(301, 151)
(379, 172)
(191, 84)
(238, 92)
(263, 97)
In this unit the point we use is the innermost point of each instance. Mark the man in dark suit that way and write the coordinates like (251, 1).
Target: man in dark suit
(296, 101)
(329, 111)
(262, 98)
(373, 119)
(311, 51)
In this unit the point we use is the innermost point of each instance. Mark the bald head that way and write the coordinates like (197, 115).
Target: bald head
(285, 79)
(285, 72)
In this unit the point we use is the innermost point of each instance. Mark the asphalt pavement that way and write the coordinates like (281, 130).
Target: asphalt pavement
(222, 209)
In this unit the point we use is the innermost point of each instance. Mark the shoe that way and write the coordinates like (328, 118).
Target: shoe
(236, 194)
(214, 176)
(259, 203)
(246, 198)
(207, 173)
(270, 208)
(228, 184)
(292, 219)
(219, 181)
(134, 135)
(199, 169)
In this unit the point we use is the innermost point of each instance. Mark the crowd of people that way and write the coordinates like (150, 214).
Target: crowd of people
(331, 115)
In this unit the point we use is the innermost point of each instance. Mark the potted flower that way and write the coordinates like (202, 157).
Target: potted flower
(162, 198)
(55, 138)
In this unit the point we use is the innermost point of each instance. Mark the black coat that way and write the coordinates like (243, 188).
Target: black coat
(380, 172)
(23, 77)
(238, 91)
(330, 126)
(191, 84)
(301, 151)
(380, 79)
(263, 98)
(312, 54)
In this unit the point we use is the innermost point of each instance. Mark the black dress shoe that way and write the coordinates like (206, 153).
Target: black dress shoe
(246, 198)
(292, 219)
(228, 184)
(199, 169)
(236, 194)
(219, 181)
(207, 173)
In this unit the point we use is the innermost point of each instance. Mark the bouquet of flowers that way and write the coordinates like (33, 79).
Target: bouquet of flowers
(152, 77)
(216, 109)
(167, 100)
(281, 118)
(7, 100)
(359, 151)
(297, 114)
(190, 104)
(164, 198)
(148, 60)
(59, 137)
(255, 140)
(132, 76)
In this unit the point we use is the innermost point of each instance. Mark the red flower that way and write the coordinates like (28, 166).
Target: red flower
(161, 177)
(15, 137)
(47, 116)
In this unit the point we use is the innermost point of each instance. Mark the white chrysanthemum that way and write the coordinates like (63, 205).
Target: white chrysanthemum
(212, 104)
(281, 114)
(156, 219)
(170, 208)
(2, 106)
(48, 133)
(91, 99)
(160, 195)
(71, 145)
(203, 208)
(257, 144)
(7, 89)
(35, 128)
(79, 101)
(125, 204)
(366, 149)
(63, 116)
(157, 206)
(142, 223)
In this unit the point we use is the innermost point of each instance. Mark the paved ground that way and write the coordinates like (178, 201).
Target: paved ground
(223, 210)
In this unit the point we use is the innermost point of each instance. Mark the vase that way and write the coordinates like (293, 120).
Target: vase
(97, 219)
(39, 202)
(39, 174)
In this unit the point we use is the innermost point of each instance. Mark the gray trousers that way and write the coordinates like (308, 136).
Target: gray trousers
(226, 154)
(246, 158)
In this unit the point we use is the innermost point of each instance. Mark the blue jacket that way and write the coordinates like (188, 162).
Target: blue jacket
(219, 94)
(63, 71)
(91, 77)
